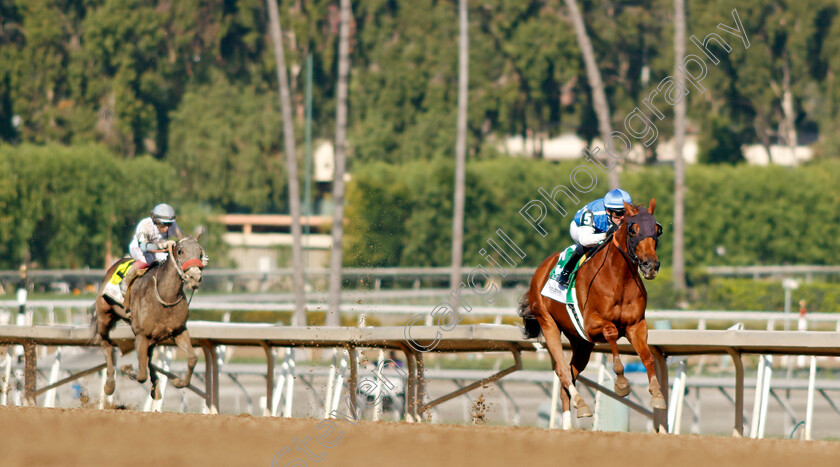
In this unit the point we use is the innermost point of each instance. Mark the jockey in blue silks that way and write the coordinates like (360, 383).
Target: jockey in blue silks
(591, 224)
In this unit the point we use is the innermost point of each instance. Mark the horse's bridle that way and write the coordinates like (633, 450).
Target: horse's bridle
(634, 240)
(181, 269)
(629, 254)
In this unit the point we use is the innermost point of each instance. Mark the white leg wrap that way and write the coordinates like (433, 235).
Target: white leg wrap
(573, 392)
(567, 420)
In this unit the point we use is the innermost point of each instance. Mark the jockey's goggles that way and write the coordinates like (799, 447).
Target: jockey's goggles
(616, 212)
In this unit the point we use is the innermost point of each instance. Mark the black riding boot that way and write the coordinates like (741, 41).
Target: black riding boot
(563, 280)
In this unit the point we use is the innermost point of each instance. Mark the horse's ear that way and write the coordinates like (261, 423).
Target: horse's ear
(630, 209)
(198, 231)
(652, 205)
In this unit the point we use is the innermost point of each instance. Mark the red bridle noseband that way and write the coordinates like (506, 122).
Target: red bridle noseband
(195, 262)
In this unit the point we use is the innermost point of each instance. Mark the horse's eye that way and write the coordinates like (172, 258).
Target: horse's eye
(180, 251)
(658, 229)
(633, 229)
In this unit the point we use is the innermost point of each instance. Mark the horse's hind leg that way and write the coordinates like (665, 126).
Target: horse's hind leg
(185, 344)
(622, 386)
(554, 342)
(110, 382)
(637, 334)
(581, 350)
(565, 402)
(105, 321)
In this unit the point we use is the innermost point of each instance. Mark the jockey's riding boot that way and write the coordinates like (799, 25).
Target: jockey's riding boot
(129, 277)
(566, 273)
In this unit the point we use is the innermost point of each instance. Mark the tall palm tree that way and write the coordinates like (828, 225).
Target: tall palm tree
(334, 314)
(460, 149)
(599, 97)
(299, 317)
(679, 141)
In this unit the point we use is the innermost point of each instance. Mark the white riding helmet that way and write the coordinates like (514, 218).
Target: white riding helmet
(163, 214)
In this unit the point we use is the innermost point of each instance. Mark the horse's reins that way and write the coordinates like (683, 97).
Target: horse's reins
(632, 260)
(181, 270)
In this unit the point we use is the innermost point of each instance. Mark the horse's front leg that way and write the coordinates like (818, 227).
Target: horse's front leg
(610, 333)
(637, 334)
(185, 344)
(142, 347)
(153, 375)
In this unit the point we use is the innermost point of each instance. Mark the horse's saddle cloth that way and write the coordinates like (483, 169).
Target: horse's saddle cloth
(119, 273)
(112, 288)
(566, 295)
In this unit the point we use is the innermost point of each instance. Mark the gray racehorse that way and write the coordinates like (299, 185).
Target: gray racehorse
(159, 311)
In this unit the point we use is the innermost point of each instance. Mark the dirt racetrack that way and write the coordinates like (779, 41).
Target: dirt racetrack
(82, 437)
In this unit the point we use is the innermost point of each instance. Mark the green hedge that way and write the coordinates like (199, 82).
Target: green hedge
(65, 206)
(401, 215)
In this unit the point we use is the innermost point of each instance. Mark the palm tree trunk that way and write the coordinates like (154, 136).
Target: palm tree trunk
(334, 314)
(599, 97)
(789, 113)
(460, 150)
(299, 317)
(679, 162)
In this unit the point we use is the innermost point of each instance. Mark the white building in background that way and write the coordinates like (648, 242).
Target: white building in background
(570, 147)
(323, 162)
(262, 241)
(781, 155)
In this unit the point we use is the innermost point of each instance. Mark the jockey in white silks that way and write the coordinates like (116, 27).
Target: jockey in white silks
(153, 233)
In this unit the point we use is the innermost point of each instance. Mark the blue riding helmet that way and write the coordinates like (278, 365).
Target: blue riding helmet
(615, 199)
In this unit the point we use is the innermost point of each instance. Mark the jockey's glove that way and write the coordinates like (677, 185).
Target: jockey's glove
(165, 244)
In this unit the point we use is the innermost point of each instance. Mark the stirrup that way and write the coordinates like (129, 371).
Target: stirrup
(563, 280)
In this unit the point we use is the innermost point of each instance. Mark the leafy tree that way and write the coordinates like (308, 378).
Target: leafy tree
(720, 144)
(73, 206)
(227, 136)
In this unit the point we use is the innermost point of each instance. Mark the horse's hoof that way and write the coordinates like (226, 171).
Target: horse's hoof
(128, 370)
(156, 393)
(658, 402)
(583, 412)
(622, 386)
(110, 385)
(179, 383)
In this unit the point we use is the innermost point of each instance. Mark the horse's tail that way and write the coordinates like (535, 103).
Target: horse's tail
(95, 338)
(532, 326)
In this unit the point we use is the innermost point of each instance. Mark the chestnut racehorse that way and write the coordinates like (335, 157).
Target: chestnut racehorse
(612, 301)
